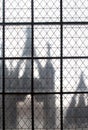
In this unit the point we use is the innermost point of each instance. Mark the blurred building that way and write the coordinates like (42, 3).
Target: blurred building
(77, 112)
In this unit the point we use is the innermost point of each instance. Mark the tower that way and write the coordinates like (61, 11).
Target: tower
(19, 84)
(81, 85)
(49, 101)
(49, 73)
(77, 110)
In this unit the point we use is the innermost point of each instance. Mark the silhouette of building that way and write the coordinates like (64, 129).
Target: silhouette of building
(46, 79)
(81, 86)
(77, 112)
(46, 74)
(14, 83)
(49, 101)
(45, 83)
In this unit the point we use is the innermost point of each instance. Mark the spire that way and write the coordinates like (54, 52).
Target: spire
(39, 67)
(77, 110)
(81, 85)
(26, 52)
(70, 113)
(48, 51)
(81, 102)
(27, 47)
(49, 70)
(81, 112)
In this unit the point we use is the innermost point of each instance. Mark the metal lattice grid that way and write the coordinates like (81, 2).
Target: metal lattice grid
(75, 11)
(43, 64)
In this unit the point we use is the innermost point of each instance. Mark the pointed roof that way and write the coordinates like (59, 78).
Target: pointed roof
(81, 85)
(49, 65)
(70, 113)
(77, 110)
(27, 47)
(48, 50)
(49, 71)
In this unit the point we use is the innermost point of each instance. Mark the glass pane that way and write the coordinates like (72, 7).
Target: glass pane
(18, 10)
(18, 41)
(75, 10)
(17, 112)
(46, 75)
(75, 75)
(18, 75)
(75, 108)
(47, 11)
(47, 38)
(47, 112)
(75, 40)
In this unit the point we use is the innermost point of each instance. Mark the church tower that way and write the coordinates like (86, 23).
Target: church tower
(78, 109)
(46, 74)
(50, 72)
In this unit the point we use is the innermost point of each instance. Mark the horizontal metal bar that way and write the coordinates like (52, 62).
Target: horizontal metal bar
(26, 93)
(75, 57)
(46, 57)
(29, 23)
(15, 58)
(83, 92)
(43, 23)
(47, 23)
(75, 23)
(40, 93)
(15, 23)
(14, 93)
(59, 23)
(24, 58)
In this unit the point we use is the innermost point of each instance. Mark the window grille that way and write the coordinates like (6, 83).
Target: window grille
(43, 64)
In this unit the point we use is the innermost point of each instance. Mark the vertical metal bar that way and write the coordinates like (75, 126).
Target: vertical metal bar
(61, 65)
(3, 68)
(32, 62)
